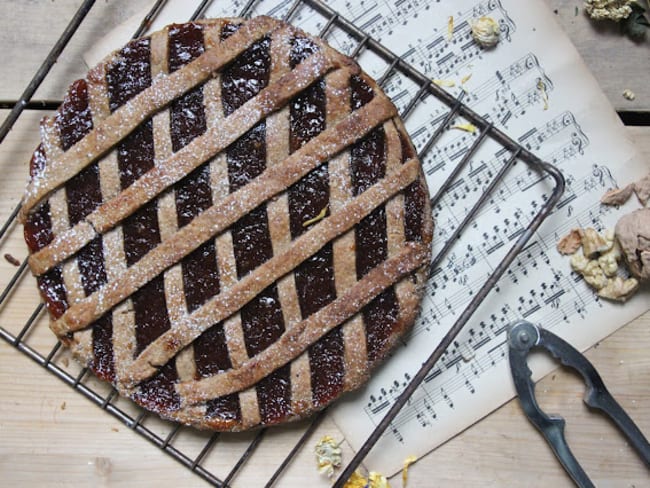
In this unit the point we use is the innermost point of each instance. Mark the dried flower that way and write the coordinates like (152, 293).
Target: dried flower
(328, 455)
(615, 10)
(594, 275)
(357, 480)
(377, 480)
(486, 31)
(450, 28)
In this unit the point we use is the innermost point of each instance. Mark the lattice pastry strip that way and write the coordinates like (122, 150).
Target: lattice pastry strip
(257, 230)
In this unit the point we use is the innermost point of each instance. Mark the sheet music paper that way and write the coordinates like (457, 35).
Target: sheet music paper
(535, 87)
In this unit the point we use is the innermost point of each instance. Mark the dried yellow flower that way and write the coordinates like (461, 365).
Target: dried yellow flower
(357, 480)
(377, 480)
(407, 462)
(608, 261)
(486, 31)
(471, 128)
(321, 215)
(328, 455)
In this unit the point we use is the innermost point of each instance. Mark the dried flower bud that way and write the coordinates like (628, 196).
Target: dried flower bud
(486, 31)
(633, 235)
(619, 289)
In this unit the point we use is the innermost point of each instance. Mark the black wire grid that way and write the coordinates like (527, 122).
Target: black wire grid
(134, 417)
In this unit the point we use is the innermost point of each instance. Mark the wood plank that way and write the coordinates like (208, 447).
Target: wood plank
(617, 62)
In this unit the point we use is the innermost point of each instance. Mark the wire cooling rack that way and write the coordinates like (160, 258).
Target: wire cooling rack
(166, 435)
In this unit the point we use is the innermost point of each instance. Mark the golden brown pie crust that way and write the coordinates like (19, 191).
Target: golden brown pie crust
(340, 283)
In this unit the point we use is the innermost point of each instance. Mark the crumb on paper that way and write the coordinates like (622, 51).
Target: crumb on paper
(328, 455)
(615, 10)
(471, 128)
(407, 462)
(618, 196)
(541, 86)
(486, 32)
(11, 260)
(63, 405)
(628, 94)
(444, 83)
(65, 361)
(619, 289)
(321, 215)
(450, 28)
(570, 243)
(115, 429)
(594, 244)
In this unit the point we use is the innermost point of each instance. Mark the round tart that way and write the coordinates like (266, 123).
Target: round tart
(228, 222)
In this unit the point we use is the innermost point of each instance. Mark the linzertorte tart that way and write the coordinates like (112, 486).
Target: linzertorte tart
(228, 221)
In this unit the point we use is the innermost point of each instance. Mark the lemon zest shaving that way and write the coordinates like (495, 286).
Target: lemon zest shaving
(320, 216)
(407, 462)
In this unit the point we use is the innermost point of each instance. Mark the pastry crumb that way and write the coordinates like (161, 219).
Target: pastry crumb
(629, 95)
(11, 260)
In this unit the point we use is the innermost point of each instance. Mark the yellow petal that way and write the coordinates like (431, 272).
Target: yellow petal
(307, 223)
(357, 480)
(471, 128)
(465, 79)
(377, 480)
(407, 462)
(445, 83)
(450, 27)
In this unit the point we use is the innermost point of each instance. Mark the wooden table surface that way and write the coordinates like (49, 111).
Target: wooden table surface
(52, 436)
